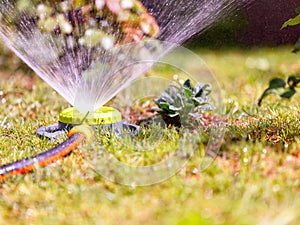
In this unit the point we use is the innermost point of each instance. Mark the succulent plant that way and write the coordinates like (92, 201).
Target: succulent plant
(182, 104)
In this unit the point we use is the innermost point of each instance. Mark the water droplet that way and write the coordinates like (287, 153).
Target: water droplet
(236, 174)
(30, 212)
(195, 171)
(145, 27)
(17, 101)
(127, 4)
(181, 81)
(133, 185)
(209, 194)
(100, 4)
(107, 42)
(110, 196)
(264, 151)
(276, 188)
(16, 206)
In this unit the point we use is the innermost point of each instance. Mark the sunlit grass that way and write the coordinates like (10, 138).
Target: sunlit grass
(254, 180)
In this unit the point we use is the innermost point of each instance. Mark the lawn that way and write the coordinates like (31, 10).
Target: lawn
(255, 178)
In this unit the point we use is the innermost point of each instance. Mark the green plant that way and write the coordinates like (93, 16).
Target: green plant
(292, 22)
(278, 86)
(181, 103)
(281, 88)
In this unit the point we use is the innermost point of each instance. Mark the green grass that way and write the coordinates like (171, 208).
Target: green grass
(254, 180)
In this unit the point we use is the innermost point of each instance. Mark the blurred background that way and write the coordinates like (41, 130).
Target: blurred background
(257, 24)
(265, 18)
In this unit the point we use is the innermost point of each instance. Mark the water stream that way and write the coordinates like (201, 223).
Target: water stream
(89, 53)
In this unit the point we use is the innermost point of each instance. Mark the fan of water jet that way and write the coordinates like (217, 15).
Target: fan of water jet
(73, 45)
(126, 63)
(181, 19)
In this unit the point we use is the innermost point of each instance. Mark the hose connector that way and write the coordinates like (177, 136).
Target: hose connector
(86, 130)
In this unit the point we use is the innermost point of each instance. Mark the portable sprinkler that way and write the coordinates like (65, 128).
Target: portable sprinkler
(102, 120)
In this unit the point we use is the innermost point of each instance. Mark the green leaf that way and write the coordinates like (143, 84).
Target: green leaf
(184, 100)
(276, 83)
(188, 92)
(174, 108)
(188, 84)
(282, 92)
(265, 94)
(159, 101)
(206, 107)
(198, 90)
(173, 115)
(291, 22)
(189, 107)
(199, 93)
(298, 10)
(196, 115)
(293, 81)
(202, 90)
(164, 106)
(167, 97)
(288, 93)
(276, 86)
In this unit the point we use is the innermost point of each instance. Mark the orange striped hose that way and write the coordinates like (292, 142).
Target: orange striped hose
(76, 135)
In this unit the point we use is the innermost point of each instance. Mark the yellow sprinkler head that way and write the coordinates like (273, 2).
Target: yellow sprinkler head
(103, 116)
(105, 119)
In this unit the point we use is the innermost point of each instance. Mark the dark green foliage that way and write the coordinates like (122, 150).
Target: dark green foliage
(180, 103)
(292, 22)
(279, 87)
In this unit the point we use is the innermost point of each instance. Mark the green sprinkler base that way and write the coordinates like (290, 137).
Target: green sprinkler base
(105, 119)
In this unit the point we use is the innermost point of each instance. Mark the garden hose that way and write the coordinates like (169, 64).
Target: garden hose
(76, 136)
(79, 127)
